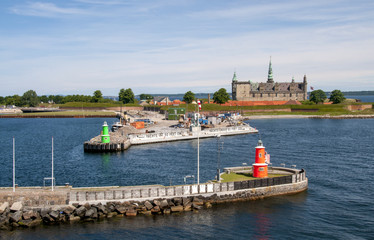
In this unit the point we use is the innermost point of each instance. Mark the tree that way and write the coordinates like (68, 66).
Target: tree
(13, 100)
(189, 97)
(221, 96)
(97, 96)
(2, 100)
(30, 98)
(337, 96)
(126, 96)
(317, 96)
(43, 99)
(144, 96)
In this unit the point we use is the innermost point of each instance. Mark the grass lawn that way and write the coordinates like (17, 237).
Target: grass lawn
(234, 177)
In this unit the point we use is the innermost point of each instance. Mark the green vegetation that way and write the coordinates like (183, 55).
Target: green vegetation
(233, 177)
(68, 113)
(126, 96)
(144, 96)
(337, 97)
(30, 99)
(317, 96)
(189, 97)
(221, 96)
(97, 96)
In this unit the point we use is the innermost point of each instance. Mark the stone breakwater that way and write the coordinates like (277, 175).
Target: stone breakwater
(32, 207)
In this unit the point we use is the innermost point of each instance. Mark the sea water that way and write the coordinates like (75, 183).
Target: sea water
(337, 155)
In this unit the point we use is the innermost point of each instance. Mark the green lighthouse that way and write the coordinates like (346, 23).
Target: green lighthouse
(105, 138)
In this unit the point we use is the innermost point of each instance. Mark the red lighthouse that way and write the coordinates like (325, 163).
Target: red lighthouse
(260, 168)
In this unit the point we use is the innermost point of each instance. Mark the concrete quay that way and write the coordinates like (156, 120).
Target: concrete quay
(29, 207)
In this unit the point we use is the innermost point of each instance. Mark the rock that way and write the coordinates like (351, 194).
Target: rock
(195, 206)
(69, 209)
(177, 201)
(28, 215)
(54, 214)
(131, 213)
(148, 205)
(101, 208)
(186, 201)
(208, 205)
(87, 206)
(112, 214)
(35, 222)
(48, 219)
(89, 213)
(75, 205)
(17, 206)
(4, 207)
(188, 207)
(155, 209)
(15, 216)
(157, 202)
(198, 201)
(3, 222)
(24, 223)
(147, 213)
(164, 204)
(167, 211)
(80, 211)
(170, 202)
(121, 209)
(177, 208)
(73, 218)
(44, 212)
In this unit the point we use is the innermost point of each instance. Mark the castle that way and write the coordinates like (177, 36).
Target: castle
(269, 91)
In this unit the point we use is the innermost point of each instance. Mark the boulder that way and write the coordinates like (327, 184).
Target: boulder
(208, 205)
(170, 202)
(101, 208)
(73, 218)
(188, 207)
(198, 201)
(80, 211)
(17, 206)
(177, 208)
(25, 223)
(87, 206)
(91, 213)
(167, 211)
(15, 216)
(131, 213)
(177, 201)
(196, 206)
(147, 213)
(148, 205)
(68, 209)
(185, 201)
(164, 204)
(155, 209)
(35, 222)
(54, 214)
(121, 209)
(4, 207)
(157, 202)
(112, 214)
(28, 215)
(3, 221)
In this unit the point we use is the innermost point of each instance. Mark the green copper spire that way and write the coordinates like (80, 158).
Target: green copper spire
(270, 73)
(234, 79)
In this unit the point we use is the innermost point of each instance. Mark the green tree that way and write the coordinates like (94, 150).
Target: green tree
(317, 96)
(30, 98)
(144, 96)
(43, 99)
(189, 97)
(97, 96)
(221, 96)
(337, 96)
(126, 96)
(2, 100)
(13, 100)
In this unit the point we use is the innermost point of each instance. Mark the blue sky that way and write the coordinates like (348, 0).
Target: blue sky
(173, 46)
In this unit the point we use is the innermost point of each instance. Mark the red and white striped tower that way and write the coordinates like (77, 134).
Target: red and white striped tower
(260, 168)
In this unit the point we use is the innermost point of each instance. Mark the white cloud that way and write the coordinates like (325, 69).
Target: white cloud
(46, 10)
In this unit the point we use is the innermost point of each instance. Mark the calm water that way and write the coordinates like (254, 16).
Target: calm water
(338, 157)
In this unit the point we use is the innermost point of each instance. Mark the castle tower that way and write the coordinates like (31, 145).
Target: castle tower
(305, 88)
(233, 86)
(270, 73)
(260, 168)
(105, 138)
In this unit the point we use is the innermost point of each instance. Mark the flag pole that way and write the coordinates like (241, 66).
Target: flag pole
(14, 166)
(198, 145)
(52, 165)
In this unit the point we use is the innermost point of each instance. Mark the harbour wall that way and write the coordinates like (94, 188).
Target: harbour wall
(30, 207)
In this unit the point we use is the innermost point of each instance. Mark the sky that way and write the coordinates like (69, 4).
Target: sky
(173, 46)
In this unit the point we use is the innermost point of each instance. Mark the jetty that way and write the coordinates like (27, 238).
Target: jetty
(159, 130)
